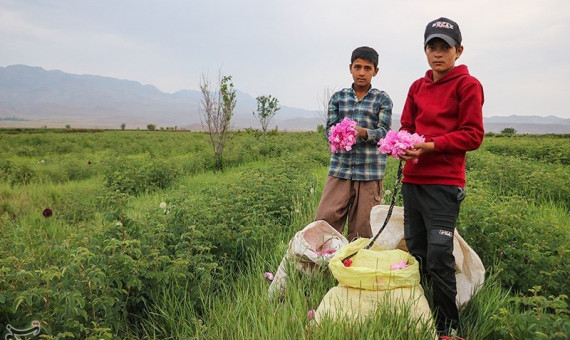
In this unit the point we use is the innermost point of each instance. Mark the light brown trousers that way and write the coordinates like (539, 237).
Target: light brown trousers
(344, 198)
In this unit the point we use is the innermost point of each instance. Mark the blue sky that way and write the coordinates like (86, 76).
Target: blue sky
(294, 50)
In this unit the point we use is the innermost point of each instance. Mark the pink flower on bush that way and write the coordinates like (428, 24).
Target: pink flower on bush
(342, 136)
(396, 142)
(400, 265)
(311, 314)
(268, 276)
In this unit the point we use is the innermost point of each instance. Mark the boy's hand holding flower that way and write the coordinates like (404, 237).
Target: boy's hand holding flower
(343, 135)
(361, 132)
(404, 146)
(417, 150)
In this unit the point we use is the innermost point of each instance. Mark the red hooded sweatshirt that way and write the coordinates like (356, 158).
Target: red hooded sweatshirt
(449, 113)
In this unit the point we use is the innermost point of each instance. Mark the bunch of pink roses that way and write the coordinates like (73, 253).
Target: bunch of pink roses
(343, 135)
(396, 142)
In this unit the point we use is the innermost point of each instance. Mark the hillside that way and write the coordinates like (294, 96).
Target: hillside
(35, 97)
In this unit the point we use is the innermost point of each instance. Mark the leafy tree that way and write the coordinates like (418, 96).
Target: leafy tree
(217, 108)
(509, 130)
(123, 126)
(151, 127)
(267, 107)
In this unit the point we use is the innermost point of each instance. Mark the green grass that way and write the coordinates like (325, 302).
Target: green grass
(111, 263)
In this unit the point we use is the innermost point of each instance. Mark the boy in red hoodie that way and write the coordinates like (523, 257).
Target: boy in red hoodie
(445, 106)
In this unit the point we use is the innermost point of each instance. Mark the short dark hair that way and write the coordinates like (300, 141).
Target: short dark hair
(366, 53)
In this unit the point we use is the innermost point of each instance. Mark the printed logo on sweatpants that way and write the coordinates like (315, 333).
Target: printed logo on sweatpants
(446, 233)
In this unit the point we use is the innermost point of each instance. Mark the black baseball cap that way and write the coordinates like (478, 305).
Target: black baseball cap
(445, 29)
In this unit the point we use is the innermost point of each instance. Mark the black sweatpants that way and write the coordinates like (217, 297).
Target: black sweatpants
(430, 215)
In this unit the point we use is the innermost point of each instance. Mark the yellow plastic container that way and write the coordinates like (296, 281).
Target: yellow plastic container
(372, 269)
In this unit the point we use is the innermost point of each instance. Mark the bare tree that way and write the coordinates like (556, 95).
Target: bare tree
(324, 105)
(217, 107)
(267, 107)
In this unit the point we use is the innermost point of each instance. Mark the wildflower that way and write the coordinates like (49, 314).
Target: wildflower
(387, 192)
(311, 314)
(400, 265)
(395, 143)
(312, 190)
(47, 212)
(162, 205)
(347, 263)
(119, 224)
(343, 135)
(268, 276)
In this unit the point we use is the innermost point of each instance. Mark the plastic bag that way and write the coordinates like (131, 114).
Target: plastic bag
(372, 269)
(312, 247)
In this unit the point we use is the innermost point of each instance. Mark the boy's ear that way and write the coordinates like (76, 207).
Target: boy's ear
(376, 71)
(458, 51)
(350, 67)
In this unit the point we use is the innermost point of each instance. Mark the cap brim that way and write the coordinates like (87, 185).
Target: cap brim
(444, 37)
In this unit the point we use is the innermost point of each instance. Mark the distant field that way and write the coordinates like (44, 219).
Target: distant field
(88, 248)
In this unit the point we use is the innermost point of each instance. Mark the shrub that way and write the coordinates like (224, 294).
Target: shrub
(135, 176)
(509, 130)
(16, 174)
(253, 209)
(527, 243)
(549, 149)
(535, 316)
(513, 176)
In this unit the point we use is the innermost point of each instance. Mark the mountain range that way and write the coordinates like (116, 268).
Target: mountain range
(34, 97)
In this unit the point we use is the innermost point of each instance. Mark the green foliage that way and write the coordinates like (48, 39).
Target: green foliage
(509, 130)
(501, 233)
(267, 107)
(535, 317)
(135, 176)
(511, 175)
(112, 263)
(253, 209)
(151, 127)
(553, 149)
(106, 278)
(15, 174)
(228, 96)
(217, 110)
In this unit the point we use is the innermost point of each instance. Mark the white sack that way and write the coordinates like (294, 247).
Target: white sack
(313, 246)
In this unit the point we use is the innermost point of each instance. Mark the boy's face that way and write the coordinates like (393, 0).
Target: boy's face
(441, 57)
(362, 72)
